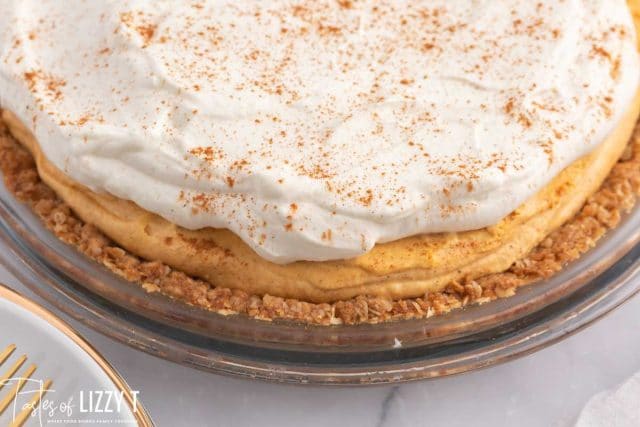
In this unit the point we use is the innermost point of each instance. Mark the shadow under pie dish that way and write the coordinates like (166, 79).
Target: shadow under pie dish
(415, 276)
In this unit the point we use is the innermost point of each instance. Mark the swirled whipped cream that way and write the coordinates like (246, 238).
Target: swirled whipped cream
(314, 129)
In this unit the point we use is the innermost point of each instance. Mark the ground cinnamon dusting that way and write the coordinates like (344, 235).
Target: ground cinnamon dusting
(602, 212)
(347, 36)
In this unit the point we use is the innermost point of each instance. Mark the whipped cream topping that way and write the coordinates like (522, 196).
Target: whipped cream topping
(314, 129)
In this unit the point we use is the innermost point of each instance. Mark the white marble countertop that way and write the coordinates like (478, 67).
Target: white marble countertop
(547, 388)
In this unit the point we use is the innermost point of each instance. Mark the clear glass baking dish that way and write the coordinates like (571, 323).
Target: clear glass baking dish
(467, 339)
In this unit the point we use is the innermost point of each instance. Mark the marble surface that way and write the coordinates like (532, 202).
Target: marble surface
(547, 388)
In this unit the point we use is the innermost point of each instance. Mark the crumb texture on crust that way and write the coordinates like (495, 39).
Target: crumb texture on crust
(601, 212)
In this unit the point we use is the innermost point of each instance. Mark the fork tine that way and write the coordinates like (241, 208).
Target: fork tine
(12, 370)
(33, 403)
(6, 353)
(6, 401)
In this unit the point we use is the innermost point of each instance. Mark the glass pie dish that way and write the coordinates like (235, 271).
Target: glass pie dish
(474, 337)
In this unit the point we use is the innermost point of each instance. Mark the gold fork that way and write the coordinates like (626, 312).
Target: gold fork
(23, 415)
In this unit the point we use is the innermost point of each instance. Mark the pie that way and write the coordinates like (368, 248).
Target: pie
(326, 152)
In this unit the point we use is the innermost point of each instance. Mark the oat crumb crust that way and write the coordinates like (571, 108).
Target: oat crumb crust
(602, 211)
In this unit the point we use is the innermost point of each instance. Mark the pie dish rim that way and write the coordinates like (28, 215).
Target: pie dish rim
(346, 356)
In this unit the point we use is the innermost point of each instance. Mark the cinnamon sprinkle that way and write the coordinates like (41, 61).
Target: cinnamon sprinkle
(424, 30)
(146, 30)
(50, 85)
